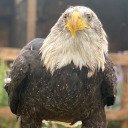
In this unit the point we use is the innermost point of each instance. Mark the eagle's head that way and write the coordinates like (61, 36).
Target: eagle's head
(77, 37)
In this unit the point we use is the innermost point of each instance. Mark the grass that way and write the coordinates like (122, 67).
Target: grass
(9, 123)
(3, 94)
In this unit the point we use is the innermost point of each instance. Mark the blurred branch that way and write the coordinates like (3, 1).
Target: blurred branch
(8, 53)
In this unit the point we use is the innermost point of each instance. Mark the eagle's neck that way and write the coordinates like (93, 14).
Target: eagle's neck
(60, 50)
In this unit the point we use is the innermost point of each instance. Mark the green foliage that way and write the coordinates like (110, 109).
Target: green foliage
(3, 94)
(8, 123)
(113, 124)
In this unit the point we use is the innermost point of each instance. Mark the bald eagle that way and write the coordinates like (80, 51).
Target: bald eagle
(67, 77)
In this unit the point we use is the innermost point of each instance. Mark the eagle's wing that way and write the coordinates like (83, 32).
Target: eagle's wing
(19, 72)
(109, 84)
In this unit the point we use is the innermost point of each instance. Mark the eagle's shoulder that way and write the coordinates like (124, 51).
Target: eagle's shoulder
(34, 45)
(26, 60)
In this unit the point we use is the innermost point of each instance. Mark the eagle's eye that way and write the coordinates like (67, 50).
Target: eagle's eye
(89, 17)
(65, 16)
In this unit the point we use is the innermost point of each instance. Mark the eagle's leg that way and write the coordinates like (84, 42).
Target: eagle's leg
(97, 120)
(28, 122)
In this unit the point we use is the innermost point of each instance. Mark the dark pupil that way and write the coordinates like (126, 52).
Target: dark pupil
(65, 16)
(89, 16)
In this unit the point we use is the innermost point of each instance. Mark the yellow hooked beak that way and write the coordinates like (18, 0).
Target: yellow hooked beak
(76, 23)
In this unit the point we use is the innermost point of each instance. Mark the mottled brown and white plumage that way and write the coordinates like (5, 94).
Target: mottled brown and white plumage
(67, 77)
